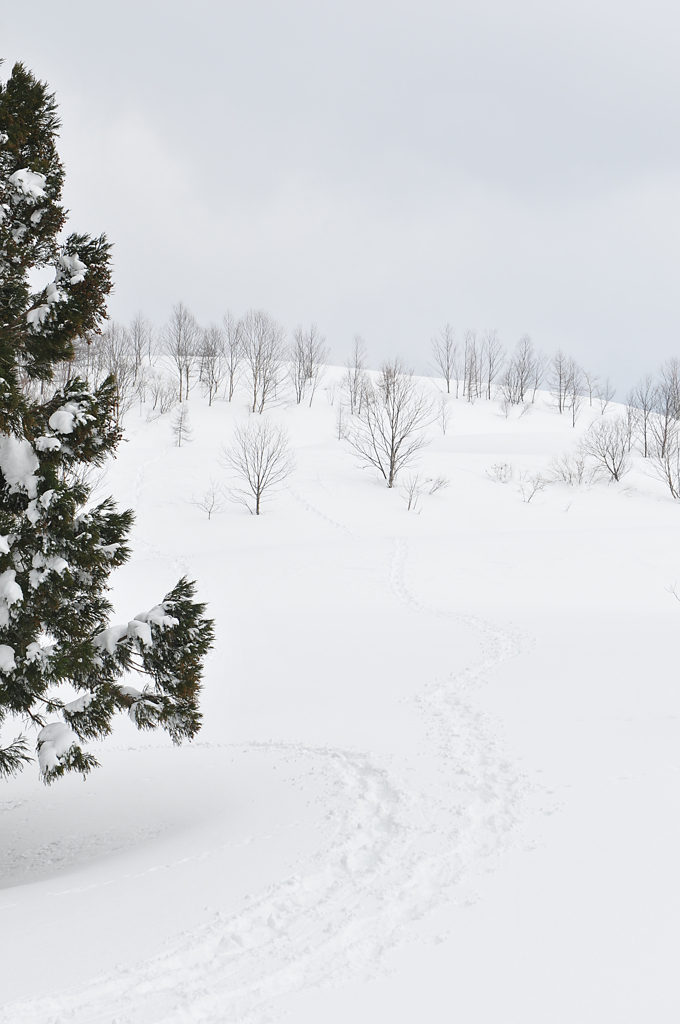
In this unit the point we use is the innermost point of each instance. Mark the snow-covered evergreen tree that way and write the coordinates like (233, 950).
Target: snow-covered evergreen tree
(57, 548)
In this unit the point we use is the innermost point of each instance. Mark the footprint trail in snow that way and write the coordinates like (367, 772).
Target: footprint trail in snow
(398, 852)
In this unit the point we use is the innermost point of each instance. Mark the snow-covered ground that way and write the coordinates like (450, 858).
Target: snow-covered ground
(438, 778)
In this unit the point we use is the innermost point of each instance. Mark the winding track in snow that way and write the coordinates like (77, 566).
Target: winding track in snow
(399, 851)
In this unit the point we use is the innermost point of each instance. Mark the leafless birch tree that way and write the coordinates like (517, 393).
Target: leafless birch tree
(180, 337)
(116, 358)
(233, 352)
(445, 356)
(641, 402)
(212, 368)
(606, 393)
(591, 381)
(261, 456)
(307, 356)
(558, 379)
(141, 337)
(262, 344)
(492, 359)
(355, 379)
(520, 372)
(389, 435)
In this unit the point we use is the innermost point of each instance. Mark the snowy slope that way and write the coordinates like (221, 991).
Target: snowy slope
(438, 776)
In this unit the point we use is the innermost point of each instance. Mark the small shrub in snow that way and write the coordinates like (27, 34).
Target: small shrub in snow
(444, 414)
(181, 430)
(212, 501)
(437, 483)
(607, 444)
(501, 472)
(570, 468)
(530, 484)
(412, 490)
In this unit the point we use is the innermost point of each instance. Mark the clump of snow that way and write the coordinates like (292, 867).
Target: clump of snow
(47, 444)
(7, 662)
(138, 628)
(42, 566)
(66, 417)
(131, 691)
(4, 544)
(141, 630)
(55, 740)
(158, 616)
(33, 512)
(80, 703)
(36, 652)
(108, 638)
(37, 315)
(107, 549)
(74, 268)
(19, 464)
(31, 183)
(52, 294)
(10, 593)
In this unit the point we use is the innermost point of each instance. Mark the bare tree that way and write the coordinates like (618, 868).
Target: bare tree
(341, 422)
(412, 489)
(666, 459)
(472, 380)
(445, 356)
(606, 393)
(307, 355)
(180, 426)
(212, 501)
(530, 484)
(538, 371)
(233, 352)
(354, 381)
(641, 403)
(607, 443)
(180, 336)
(163, 392)
(574, 397)
(318, 354)
(297, 364)
(212, 367)
(570, 468)
(443, 413)
(261, 456)
(558, 379)
(591, 381)
(520, 374)
(263, 353)
(492, 359)
(666, 398)
(116, 357)
(389, 435)
(141, 335)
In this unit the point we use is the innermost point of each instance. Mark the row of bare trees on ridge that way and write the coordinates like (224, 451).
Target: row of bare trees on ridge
(381, 415)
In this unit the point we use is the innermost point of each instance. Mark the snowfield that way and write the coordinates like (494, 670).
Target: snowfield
(439, 773)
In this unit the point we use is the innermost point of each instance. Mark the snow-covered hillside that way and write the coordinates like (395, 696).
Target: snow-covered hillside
(438, 778)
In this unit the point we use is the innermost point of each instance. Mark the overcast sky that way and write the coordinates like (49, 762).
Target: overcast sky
(379, 168)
